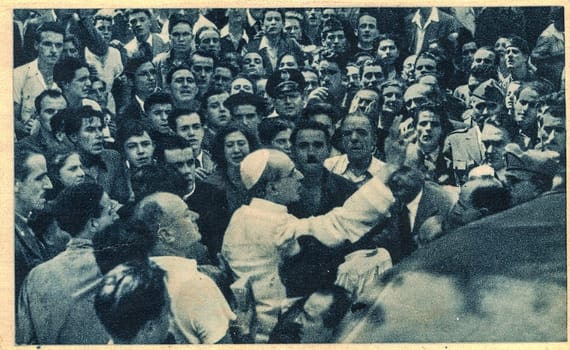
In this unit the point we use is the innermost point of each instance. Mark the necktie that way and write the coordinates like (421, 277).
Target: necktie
(145, 50)
(197, 163)
(408, 244)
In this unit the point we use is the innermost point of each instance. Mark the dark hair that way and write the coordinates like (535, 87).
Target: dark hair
(280, 11)
(152, 178)
(540, 86)
(48, 27)
(202, 53)
(64, 70)
(176, 68)
(370, 63)
(74, 39)
(209, 93)
(320, 108)
(177, 18)
(73, 118)
(446, 126)
(129, 296)
(219, 142)
(21, 155)
(46, 93)
(556, 103)
(226, 64)
(130, 12)
(76, 204)
(157, 98)
(306, 124)
(122, 242)
(55, 161)
(331, 25)
(133, 64)
(334, 57)
(520, 43)
(491, 196)
(170, 142)
(339, 307)
(268, 128)
(57, 122)
(410, 179)
(298, 58)
(127, 129)
(177, 113)
(483, 72)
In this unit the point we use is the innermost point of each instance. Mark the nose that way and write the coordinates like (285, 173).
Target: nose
(299, 175)
(186, 169)
(80, 172)
(236, 148)
(47, 184)
(489, 149)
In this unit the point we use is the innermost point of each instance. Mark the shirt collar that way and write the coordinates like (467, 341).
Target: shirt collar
(200, 157)
(267, 206)
(225, 32)
(250, 20)
(433, 17)
(79, 243)
(263, 43)
(413, 205)
(141, 102)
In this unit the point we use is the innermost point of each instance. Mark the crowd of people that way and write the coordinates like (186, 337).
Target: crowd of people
(230, 175)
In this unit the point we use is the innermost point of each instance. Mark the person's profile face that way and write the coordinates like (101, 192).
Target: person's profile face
(311, 319)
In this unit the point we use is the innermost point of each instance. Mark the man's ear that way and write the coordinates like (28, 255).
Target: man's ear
(73, 137)
(165, 235)
(93, 225)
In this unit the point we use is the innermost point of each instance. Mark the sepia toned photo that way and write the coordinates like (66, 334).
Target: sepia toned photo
(270, 175)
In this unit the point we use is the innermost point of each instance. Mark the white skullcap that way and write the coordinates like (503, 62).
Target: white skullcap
(252, 166)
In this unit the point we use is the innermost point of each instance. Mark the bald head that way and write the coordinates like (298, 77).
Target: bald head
(168, 216)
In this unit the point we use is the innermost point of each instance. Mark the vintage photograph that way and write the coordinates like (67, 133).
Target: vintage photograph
(289, 175)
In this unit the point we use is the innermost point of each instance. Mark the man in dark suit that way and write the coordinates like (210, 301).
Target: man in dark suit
(145, 43)
(425, 25)
(321, 191)
(30, 188)
(417, 201)
(201, 197)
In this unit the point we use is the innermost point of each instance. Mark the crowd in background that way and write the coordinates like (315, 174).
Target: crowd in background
(213, 175)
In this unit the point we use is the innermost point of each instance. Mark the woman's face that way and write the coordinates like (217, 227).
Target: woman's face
(71, 173)
(288, 61)
(236, 147)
